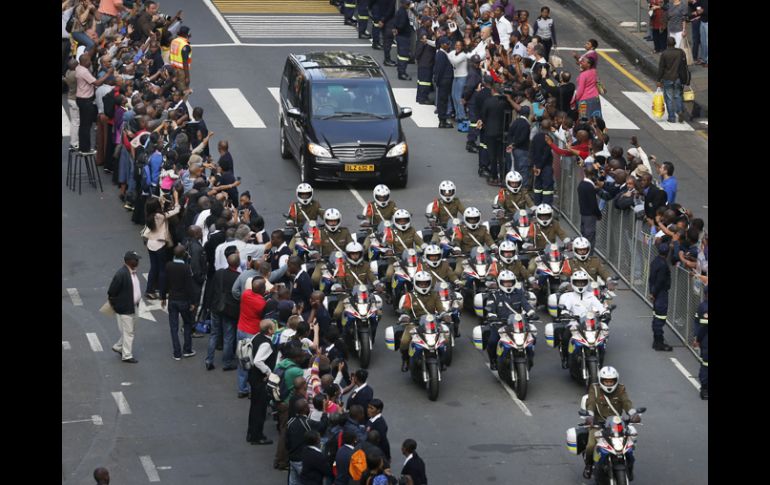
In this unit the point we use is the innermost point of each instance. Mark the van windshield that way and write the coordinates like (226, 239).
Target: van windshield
(351, 98)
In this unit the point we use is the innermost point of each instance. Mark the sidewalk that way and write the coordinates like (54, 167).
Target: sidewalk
(605, 17)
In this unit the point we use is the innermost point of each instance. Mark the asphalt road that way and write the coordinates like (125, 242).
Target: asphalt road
(189, 422)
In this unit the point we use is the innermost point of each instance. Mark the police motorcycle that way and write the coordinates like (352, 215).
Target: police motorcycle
(360, 317)
(447, 191)
(503, 255)
(586, 346)
(479, 276)
(428, 343)
(551, 267)
(304, 198)
(615, 443)
(604, 291)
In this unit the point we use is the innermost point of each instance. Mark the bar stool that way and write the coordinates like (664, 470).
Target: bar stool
(89, 160)
(70, 171)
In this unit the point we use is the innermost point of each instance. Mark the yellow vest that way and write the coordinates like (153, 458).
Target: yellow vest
(175, 52)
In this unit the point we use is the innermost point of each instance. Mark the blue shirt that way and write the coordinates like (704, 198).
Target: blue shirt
(670, 185)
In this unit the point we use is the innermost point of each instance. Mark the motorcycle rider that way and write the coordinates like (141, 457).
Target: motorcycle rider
(354, 272)
(506, 301)
(438, 267)
(381, 208)
(332, 237)
(305, 208)
(415, 304)
(592, 265)
(469, 235)
(447, 205)
(516, 196)
(577, 303)
(400, 237)
(546, 231)
(507, 260)
(605, 399)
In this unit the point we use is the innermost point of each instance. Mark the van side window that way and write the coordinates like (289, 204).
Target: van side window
(285, 78)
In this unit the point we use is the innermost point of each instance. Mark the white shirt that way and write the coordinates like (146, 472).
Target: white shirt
(408, 458)
(359, 388)
(201, 222)
(245, 249)
(579, 305)
(520, 49)
(459, 62)
(315, 448)
(263, 353)
(137, 287)
(504, 30)
(375, 418)
(481, 49)
(283, 260)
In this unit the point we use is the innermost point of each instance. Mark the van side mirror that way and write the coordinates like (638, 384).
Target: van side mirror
(404, 113)
(294, 113)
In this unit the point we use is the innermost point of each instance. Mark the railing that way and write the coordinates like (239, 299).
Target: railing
(622, 242)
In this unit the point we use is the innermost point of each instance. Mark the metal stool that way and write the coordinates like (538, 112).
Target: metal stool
(69, 167)
(89, 159)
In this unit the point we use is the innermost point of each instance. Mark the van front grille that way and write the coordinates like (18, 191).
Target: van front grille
(366, 153)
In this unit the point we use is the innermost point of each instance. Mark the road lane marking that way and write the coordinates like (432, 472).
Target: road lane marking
(93, 341)
(357, 196)
(65, 345)
(120, 400)
(75, 296)
(96, 419)
(276, 93)
(65, 123)
(510, 392)
(644, 102)
(686, 373)
(278, 6)
(631, 24)
(624, 71)
(613, 118)
(198, 46)
(422, 114)
(149, 468)
(290, 27)
(237, 108)
(222, 22)
(702, 134)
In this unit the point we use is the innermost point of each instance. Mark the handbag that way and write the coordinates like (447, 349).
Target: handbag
(688, 94)
(685, 46)
(555, 60)
(600, 87)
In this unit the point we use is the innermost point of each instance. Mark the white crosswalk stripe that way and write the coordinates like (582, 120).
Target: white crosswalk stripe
(291, 26)
(422, 114)
(614, 119)
(644, 102)
(237, 108)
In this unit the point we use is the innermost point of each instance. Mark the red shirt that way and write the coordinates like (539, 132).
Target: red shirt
(252, 306)
(584, 149)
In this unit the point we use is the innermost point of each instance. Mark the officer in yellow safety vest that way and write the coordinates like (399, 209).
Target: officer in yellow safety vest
(180, 56)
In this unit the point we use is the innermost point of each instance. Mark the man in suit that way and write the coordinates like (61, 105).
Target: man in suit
(123, 296)
(315, 467)
(225, 311)
(296, 430)
(589, 207)
(180, 293)
(377, 422)
(362, 393)
(349, 440)
(413, 465)
(301, 286)
(654, 197)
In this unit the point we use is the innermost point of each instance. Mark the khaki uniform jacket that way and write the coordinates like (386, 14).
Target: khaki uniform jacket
(444, 271)
(599, 407)
(341, 237)
(522, 199)
(410, 303)
(456, 208)
(462, 238)
(521, 272)
(362, 271)
(593, 266)
(551, 232)
(375, 213)
(313, 211)
(409, 237)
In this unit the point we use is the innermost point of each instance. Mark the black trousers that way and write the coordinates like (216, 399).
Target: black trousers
(495, 150)
(387, 39)
(442, 102)
(548, 44)
(87, 118)
(257, 409)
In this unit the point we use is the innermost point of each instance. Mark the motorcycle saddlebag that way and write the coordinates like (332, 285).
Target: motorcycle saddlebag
(393, 336)
(577, 439)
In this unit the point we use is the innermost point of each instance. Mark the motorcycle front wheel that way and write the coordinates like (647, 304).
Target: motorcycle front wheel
(593, 374)
(620, 477)
(504, 371)
(432, 381)
(365, 352)
(448, 350)
(520, 386)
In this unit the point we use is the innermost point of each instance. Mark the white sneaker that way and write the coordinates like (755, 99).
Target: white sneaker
(191, 354)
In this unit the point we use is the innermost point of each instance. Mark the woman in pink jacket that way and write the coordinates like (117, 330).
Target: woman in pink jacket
(586, 96)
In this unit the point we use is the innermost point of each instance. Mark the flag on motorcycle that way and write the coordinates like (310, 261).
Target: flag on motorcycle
(293, 212)
(388, 235)
(369, 210)
(435, 208)
(316, 236)
(458, 234)
(501, 196)
(493, 269)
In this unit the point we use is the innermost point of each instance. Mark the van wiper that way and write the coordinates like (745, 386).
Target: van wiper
(348, 114)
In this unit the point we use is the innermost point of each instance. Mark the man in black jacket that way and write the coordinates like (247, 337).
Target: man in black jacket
(402, 30)
(672, 68)
(654, 197)
(198, 262)
(388, 12)
(301, 285)
(562, 92)
(541, 157)
(124, 295)
(472, 83)
(413, 465)
(362, 392)
(425, 55)
(659, 284)
(296, 428)
(180, 292)
(225, 311)
(377, 422)
(492, 125)
(443, 74)
(315, 466)
(589, 207)
(477, 101)
(518, 144)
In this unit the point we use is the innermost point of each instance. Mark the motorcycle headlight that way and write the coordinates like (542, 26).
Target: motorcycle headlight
(430, 339)
(591, 336)
(618, 444)
(397, 150)
(363, 309)
(318, 150)
(518, 339)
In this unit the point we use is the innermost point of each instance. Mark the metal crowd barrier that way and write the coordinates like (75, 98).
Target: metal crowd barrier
(623, 243)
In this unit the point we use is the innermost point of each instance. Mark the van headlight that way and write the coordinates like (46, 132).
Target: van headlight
(318, 150)
(397, 150)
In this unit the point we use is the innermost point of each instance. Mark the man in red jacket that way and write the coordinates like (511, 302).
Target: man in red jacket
(252, 307)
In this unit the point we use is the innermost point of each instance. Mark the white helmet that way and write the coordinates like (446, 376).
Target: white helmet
(432, 250)
(398, 219)
(507, 247)
(608, 373)
(422, 282)
(513, 181)
(381, 195)
(332, 215)
(544, 214)
(447, 190)
(579, 281)
(506, 276)
(353, 248)
(305, 194)
(472, 218)
(582, 247)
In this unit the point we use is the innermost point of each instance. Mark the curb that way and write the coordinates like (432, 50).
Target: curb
(604, 26)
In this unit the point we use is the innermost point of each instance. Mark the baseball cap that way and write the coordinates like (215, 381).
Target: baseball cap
(184, 30)
(425, 18)
(131, 255)
(524, 111)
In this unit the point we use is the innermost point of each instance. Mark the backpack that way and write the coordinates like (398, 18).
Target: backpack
(281, 392)
(357, 464)
(71, 21)
(331, 446)
(684, 71)
(244, 352)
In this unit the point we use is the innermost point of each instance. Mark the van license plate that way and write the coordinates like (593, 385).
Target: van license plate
(354, 167)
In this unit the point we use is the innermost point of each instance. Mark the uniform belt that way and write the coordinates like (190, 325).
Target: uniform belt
(659, 317)
(703, 321)
(400, 58)
(424, 83)
(361, 17)
(350, 5)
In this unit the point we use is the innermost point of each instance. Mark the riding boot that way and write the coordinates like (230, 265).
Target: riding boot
(589, 469)
(404, 363)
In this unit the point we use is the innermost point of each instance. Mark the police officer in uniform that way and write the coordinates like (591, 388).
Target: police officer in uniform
(401, 237)
(507, 300)
(605, 399)
(377, 10)
(444, 76)
(660, 283)
(507, 260)
(355, 272)
(582, 261)
(546, 231)
(348, 9)
(402, 30)
(514, 196)
(333, 237)
(387, 22)
(578, 303)
(425, 55)
(180, 57)
(447, 205)
(378, 210)
(479, 97)
(363, 18)
(303, 210)
(472, 85)
(702, 339)
(469, 235)
(421, 301)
